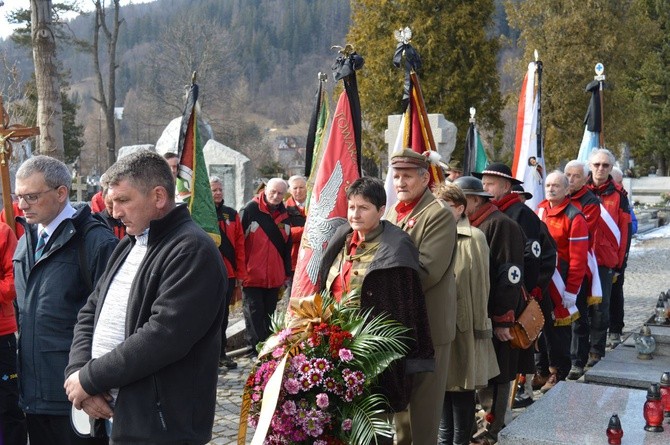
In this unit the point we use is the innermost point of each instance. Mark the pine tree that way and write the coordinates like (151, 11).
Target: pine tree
(654, 148)
(458, 62)
(572, 36)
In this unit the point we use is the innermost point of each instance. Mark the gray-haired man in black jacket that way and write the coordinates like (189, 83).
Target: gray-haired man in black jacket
(147, 343)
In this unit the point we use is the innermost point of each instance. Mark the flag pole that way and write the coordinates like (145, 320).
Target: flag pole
(313, 124)
(469, 158)
(538, 132)
(600, 77)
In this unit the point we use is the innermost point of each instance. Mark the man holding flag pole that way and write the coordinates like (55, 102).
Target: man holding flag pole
(432, 228)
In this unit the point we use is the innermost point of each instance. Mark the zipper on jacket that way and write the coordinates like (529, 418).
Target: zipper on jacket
(159, 408)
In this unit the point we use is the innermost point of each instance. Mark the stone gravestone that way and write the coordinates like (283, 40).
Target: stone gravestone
(169, 139)
(621, 367)
(234, 169)
(79, 188)
(648, 189)
(578, 413)
(444, 134)
(128, 149)
(575, 413)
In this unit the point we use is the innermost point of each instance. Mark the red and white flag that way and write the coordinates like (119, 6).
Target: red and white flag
(328, 203)
(528, 165)
(415, 133)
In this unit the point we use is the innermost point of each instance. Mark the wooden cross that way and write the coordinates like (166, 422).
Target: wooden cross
(8, 135)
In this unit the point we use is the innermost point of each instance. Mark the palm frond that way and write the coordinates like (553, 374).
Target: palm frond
(369, 420)
(378, 343)
(277, 321)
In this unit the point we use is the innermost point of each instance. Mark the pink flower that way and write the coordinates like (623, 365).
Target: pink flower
(330, 384)
(289, 407)
(322, 400)
(279, 352)
(292, 386)
(346, 355)
(283, 335)
(298, 360)
(315, 377)
(347, 424)
(320, 364)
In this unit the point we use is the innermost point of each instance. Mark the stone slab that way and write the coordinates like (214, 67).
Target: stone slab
(648, 189)
(577, 413)
(235, 338)
(621, 367)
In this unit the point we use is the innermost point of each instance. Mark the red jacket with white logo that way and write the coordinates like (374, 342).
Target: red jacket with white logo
(589, 205)
(568, 228)
(610, 251)
(268, 264)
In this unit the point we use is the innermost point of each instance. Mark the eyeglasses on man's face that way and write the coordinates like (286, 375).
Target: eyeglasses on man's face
(601, 164)
(32, 198)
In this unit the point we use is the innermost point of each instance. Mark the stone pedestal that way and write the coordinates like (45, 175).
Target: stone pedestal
(575, 413)
(444, 134)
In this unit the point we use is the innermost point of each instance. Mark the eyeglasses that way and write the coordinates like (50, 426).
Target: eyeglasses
(603, 165)
(32, 198)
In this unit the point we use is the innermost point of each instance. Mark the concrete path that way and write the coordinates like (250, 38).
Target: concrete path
(647, 275)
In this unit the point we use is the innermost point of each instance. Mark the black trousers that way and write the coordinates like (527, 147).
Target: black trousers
(458, 416)
(226, 313)
(258, 305)
(52, 430)
(589, 331)
(12, 420)
(557, 340)
(616, 306)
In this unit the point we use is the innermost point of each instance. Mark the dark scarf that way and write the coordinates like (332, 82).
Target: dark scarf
(506, 201)
(481, 214)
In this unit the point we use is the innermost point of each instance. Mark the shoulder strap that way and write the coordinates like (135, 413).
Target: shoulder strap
(83, 264)
(227, 250)
(268, 225)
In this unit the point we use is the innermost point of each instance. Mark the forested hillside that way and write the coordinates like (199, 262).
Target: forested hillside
(257, 62)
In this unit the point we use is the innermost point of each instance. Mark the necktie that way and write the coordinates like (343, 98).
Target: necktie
(41, 242)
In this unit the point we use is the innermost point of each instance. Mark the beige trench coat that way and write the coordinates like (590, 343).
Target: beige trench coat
(473, 359)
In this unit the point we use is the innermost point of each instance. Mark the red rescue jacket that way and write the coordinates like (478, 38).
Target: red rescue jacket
(268, 265)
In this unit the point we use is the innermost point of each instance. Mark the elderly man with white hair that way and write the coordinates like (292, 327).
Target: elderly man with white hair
(267, 248)
(612, 240)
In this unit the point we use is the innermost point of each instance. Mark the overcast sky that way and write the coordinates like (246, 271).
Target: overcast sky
(10, 5)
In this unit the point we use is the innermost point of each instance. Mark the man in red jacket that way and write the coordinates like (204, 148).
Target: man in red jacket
(568, 228)
(267, 242)
(12, 420)
(295, 206)
(590, 294)
(232, 252)
(611, 241)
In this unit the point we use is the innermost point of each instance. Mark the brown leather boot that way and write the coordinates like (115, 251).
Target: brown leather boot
(539, 380)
